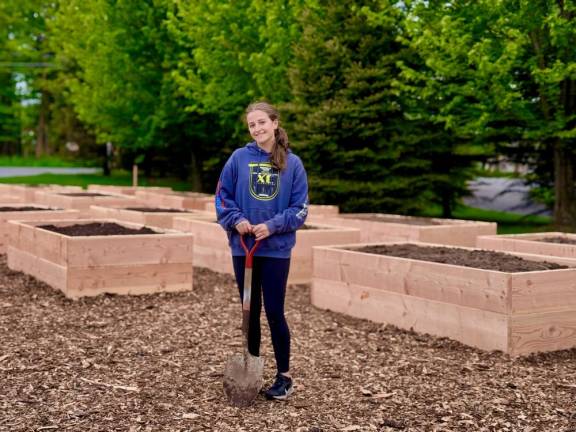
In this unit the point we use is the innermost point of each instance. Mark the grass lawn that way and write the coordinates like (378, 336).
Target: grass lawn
(122, 178)
(43, 161)
(508, 223)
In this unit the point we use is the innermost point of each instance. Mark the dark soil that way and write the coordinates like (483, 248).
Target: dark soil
(562, 240)
(481, 259)
(156, 210)
(27, 208)
(154, 363)
(84, 194)
(97, 229)
(308, 227)
(190, 194)
(375, 217)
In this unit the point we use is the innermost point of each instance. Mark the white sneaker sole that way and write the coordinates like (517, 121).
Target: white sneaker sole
(284, 397)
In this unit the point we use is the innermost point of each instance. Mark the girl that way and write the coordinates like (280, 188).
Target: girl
(263, 192)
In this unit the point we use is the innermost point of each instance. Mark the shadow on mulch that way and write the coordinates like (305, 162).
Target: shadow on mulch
(154, 363)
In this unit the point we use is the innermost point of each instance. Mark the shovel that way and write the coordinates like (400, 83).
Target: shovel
(243, 372)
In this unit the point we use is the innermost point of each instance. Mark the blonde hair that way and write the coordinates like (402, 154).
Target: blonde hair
(281, 144)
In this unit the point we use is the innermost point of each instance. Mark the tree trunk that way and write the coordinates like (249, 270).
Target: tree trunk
(41, 144)
(447, 205)
(564, 186)
(194, 177)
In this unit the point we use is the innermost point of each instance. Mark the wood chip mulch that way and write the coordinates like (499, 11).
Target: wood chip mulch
(154, 363)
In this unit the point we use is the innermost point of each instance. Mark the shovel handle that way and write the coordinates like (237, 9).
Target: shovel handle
(249, 252)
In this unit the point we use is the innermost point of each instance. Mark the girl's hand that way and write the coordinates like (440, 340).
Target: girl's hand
(260, 231)
(244, 227)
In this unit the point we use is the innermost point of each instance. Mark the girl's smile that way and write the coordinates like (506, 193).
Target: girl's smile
(262, 129)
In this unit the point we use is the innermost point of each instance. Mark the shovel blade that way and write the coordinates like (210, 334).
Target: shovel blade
(243, 379)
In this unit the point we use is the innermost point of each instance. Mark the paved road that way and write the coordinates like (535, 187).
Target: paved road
(505, 194)
(30, 171)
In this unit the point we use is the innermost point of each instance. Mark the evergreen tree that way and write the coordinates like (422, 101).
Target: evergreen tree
(361, 124)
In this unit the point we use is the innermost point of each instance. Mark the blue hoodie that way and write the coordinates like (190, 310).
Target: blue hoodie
(251, 189)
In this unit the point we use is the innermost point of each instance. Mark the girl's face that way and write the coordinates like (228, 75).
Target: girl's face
(261, 127)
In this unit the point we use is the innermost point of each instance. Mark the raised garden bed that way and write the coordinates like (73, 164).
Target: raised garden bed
(29, 212)
(177, 200)
(27, 193)
(151, 216)
(89, 265)
(515, 312)
(316, 212)
(211, 248)
(547, 243)
(377, 227)
(82, 200)
(128, 190)
(321, 210)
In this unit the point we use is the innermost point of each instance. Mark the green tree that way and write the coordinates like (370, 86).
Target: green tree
(507, 71)
(117, 59)
(236, 53)
(360, 121)
(25, 59)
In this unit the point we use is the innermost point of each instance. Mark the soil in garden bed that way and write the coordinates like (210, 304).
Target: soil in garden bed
(482, 259)
(97, 229)
(309, 227)
(392, 219)
(84, 194)
(27, 208)
(156, 210)
(561, 240)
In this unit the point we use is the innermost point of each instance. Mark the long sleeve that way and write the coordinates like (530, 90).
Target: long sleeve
(295, 215)
(228, 212)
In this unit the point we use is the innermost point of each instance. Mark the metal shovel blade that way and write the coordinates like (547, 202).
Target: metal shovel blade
(243, 378)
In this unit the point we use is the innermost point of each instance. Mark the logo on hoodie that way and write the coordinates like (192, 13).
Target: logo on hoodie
(264, 181)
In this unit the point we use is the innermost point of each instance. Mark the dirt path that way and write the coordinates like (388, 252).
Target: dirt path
(153, 363)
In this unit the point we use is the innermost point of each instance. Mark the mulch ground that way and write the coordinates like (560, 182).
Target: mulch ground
(154, 363)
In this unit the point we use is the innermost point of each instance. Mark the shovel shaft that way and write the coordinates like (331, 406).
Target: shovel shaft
(247, 292)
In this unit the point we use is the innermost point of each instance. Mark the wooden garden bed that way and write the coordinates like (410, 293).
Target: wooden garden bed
(27, 193)
(162, 219)
(178, 200)
(211, 248)
(128, 190)
(517, 313)
(82, 200)
(91, 265)
(534, 243)
(39, 213)
(377, 227)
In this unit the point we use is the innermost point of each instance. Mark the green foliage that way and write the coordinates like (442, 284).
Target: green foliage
(113, 65)
(370, 137)
(505, 74)
(43, 161)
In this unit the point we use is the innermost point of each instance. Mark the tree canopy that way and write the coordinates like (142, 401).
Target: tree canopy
(390, 104)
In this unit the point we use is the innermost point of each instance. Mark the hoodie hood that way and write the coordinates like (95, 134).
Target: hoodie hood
(253, 147)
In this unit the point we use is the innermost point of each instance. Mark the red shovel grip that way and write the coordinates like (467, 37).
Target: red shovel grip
(249, 252)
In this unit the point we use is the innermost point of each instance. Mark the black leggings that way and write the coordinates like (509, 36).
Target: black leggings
(269, 277)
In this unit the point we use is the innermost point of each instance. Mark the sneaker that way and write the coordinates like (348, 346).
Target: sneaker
(281, 389)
